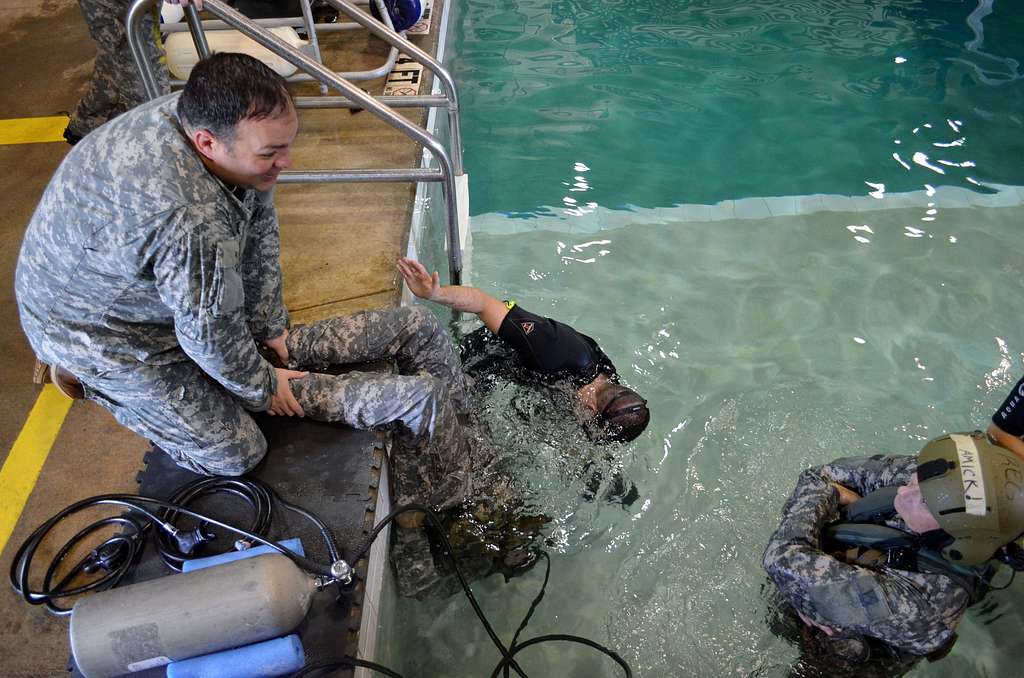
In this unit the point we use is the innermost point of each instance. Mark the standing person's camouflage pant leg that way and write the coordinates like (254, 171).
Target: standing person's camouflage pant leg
(116, 85)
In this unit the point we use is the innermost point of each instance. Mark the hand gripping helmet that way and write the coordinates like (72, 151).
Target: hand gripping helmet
(975, 490)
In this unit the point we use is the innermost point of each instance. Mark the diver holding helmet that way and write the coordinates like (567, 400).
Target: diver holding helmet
(884, 580)
(525, 342)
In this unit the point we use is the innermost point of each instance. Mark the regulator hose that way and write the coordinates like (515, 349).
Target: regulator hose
(118, 553)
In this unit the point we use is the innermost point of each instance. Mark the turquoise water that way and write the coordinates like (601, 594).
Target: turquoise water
(834, 318)
(695, 102)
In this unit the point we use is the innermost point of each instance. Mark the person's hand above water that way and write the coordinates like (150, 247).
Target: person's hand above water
(1004, 439)
(283, 402)
(828, 630)
(185, 3)
(419, 280)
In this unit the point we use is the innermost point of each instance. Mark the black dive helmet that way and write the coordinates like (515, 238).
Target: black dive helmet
(975, 491)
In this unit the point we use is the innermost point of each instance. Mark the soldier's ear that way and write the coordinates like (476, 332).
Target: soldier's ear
(205, 142)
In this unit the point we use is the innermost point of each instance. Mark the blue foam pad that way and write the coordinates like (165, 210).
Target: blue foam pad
(277, 657)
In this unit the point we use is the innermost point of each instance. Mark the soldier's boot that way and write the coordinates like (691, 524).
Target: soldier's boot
(66, 383)
(415, 572)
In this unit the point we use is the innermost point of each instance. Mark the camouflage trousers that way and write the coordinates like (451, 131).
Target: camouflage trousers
(116, 85)
(206, 430)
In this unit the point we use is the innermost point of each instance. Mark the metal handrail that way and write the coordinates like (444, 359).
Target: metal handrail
(447, 167)
(433, 65)
(306, 23)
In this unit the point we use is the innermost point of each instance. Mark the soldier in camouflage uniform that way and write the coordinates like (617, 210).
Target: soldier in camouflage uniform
(115, 85)
(150, 271)
(909, 607)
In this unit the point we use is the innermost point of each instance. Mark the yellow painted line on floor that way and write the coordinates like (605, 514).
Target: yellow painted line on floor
(25, 460)
(32, 130)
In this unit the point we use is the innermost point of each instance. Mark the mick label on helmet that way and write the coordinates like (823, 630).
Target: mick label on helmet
(970, 474)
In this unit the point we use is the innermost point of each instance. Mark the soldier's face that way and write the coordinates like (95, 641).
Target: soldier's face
(910, 506)
(258, 154)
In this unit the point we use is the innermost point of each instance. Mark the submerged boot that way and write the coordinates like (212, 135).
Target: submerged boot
(415, 571)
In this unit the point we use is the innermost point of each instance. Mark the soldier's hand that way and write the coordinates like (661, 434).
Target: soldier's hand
(810, 622)
(283, 402)
(419, 280)
(279, 346)
(846, 495)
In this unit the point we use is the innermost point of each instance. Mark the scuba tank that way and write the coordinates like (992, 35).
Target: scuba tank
(150, 624)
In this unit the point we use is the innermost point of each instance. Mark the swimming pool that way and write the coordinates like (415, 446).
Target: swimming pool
(794, 228)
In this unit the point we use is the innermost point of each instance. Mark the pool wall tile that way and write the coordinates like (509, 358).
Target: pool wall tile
(781, 206)
(807, 204)
(751, 208)
(601, 218)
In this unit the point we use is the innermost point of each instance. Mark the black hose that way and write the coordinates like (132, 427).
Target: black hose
(109, 555)
(455, 566)
(567, 638)
(255, 493)
(534, 604)
(344, 663)
(118, 553)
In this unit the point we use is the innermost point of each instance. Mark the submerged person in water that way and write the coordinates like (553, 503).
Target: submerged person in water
(513, 340)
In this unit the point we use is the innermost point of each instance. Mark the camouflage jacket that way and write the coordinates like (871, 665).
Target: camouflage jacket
(138, 257)
(913, 612)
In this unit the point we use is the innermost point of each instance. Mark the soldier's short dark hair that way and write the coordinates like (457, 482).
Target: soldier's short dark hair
(226, 88)
(622, 413)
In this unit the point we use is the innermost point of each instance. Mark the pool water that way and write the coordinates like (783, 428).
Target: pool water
(793, 226)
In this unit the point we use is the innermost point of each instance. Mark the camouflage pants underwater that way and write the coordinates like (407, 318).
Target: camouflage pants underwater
(116, 85)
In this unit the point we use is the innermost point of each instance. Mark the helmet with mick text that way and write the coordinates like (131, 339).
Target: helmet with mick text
(975, 491)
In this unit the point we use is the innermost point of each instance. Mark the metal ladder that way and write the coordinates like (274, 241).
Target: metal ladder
(449, 172)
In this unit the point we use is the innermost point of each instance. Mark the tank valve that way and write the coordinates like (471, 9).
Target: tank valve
(341, 572)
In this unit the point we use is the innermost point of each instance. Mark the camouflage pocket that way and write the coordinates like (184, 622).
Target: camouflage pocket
(853, 602)
(229, 294)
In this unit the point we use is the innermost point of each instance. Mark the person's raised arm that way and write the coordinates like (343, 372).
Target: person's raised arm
(465, 299)
(1007, 424)
(1004, 439)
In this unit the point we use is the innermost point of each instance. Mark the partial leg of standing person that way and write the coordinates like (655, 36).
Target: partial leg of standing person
(115, 85)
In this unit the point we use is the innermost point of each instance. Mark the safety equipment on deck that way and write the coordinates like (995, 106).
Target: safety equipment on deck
(132, 628)
(404, 13)
(182, 56)
(975, 490)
